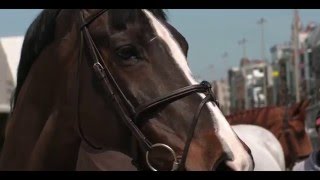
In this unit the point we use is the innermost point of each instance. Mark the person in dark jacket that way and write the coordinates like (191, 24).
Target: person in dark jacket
(312, 163)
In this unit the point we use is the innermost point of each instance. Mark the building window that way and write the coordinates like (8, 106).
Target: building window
(301, 58)
(302, 73)
(310, 64)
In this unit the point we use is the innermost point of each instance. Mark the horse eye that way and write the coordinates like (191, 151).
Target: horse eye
(127, 52)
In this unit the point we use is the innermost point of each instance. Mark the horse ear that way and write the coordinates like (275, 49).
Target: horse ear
(300, 107)
(305, 104)
(295, 107)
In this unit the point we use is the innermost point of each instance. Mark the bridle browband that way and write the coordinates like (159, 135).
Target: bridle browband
(134, 117)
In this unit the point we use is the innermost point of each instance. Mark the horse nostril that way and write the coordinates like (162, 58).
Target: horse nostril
(222, 166)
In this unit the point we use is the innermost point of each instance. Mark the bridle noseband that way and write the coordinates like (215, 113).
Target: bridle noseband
(134, 117)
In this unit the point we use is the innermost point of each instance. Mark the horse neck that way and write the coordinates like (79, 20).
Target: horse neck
(58, 145)
(263, 117)
(31, 111)
(46, 135)
(45, 91)
(246, 117)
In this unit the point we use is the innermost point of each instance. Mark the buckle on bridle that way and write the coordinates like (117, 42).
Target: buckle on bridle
(210, 93)
(175, 164)
(98, 69)
(207, 84)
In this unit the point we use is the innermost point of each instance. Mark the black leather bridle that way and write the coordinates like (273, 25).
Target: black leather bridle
(131, 116)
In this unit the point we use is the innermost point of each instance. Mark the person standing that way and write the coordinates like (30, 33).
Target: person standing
(312, 163)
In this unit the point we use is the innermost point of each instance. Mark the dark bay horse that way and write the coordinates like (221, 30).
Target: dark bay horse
(115, 80)
(286, 123)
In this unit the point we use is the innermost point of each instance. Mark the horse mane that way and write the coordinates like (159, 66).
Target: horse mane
(41, 33)
(254, 111)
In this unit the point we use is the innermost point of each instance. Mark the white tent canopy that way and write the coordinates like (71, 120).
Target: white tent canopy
(10, 49)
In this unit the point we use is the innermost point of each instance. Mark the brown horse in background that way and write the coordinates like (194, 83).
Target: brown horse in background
(286, 123)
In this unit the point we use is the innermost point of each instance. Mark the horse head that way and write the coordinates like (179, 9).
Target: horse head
(119, 80)
(296, 141)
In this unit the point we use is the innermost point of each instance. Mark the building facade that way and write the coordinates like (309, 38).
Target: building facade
(250, 85)
(255, 73)
(236, 89)
(282, 56)
(222, 91)
(311, 56)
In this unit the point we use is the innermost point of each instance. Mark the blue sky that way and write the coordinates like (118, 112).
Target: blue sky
(209, 32)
